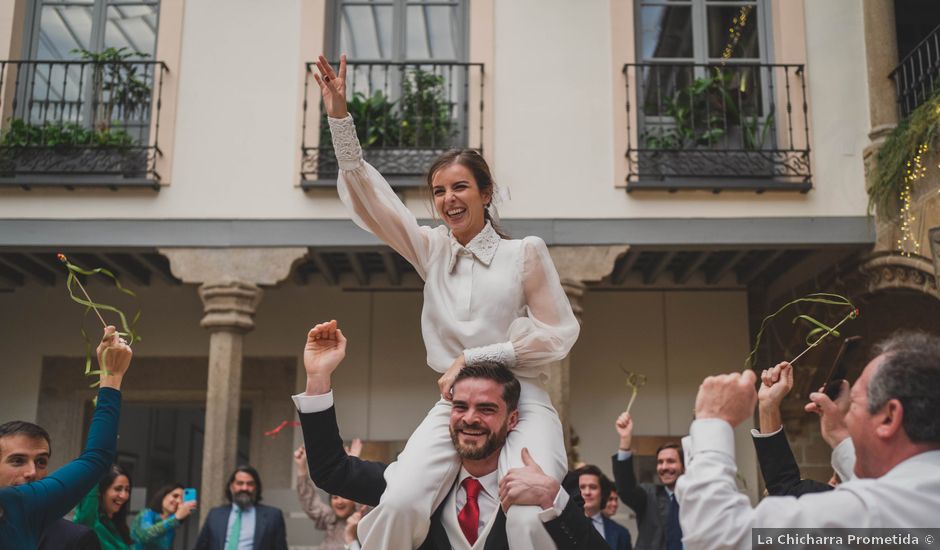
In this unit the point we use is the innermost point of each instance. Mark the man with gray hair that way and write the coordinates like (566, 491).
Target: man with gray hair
(892, 419)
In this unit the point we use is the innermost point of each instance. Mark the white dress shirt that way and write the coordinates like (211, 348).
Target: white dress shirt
(491, 300)
(246, 537)
(714, 514)
(487, 500)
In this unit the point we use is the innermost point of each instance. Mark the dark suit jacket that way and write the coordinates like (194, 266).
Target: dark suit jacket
(779, 468)
(65, 535)
(270, 533)
(363, 481)
(649, 501)
(616, 535)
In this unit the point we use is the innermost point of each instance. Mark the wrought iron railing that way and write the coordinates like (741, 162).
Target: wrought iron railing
(918, 74)
(77, 123)
(406, 115)
(701, 126)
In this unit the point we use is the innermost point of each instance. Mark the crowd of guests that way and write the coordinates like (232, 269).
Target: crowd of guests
(884, 431)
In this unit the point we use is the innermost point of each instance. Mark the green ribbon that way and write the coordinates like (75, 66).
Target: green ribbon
(819, 328)
(127, 328)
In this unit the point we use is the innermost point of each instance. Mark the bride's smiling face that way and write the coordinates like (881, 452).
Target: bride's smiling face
(459, 202)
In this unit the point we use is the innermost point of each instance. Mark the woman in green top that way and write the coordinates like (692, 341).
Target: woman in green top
(155, 526)
(104, 509)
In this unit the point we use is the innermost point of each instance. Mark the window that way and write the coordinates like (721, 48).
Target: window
(60, 27)
(400, 30)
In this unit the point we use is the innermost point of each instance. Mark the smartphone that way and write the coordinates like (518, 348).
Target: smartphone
(839, 369)
(189, 495)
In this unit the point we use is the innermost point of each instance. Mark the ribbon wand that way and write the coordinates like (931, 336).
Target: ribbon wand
(826, 332)
(634, 381)
(65, 260)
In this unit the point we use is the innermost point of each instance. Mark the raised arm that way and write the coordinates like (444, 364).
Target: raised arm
(549, 328)
(628, 489)
(49, 499)
(311, 503)
(372, 203)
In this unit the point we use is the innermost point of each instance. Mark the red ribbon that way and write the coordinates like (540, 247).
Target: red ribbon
(281, 426)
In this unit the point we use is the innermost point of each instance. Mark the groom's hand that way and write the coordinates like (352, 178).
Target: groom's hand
(324, 351)
(528, 485)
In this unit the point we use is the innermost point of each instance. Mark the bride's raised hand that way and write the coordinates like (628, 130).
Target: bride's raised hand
(332, 86)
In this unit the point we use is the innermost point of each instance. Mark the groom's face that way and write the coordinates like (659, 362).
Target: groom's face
(480, 419)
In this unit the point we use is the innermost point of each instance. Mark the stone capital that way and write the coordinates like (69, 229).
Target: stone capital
(585, 263)
(256, 266)
(229, 306)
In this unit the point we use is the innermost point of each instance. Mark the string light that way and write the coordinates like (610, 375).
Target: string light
(734, 33)
(908, 243)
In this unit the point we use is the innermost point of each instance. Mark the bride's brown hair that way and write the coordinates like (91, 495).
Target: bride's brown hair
(473, 161)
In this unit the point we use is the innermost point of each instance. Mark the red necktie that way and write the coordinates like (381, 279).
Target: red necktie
(469, 516)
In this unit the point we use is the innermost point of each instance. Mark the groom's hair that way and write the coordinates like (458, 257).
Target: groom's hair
(499, 374)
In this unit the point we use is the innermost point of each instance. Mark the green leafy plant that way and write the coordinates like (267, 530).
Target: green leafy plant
(20, 133)
(702, 113)
(422, 116)
(377, 121)
(117, 84)
(426, 111)
(899, 148)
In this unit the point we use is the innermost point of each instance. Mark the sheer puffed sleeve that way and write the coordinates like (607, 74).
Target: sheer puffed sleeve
(372, 203)
(549, 328)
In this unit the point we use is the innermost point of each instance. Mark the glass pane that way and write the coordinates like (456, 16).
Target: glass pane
(666, 31)
(366, 32)
(132, 27)
(432, 32)
(63, 29)
(732, 32)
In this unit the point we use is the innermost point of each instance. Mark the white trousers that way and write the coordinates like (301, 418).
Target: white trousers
(426, 469)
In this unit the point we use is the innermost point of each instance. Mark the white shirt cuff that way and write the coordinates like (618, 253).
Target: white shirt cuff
(313, 403)
(623, 455)
(756, 433)
(502, 353)
(561, 500)
(843, 459)
(712, 434)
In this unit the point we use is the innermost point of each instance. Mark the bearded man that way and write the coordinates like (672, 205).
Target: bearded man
(244, 524)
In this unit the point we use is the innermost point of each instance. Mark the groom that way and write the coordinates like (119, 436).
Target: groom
(484, 411)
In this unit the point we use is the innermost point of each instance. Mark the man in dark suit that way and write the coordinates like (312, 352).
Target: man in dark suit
(484, 410)
(777, 463)
(245, 524)
(25, 450)
(655, 504)
(595, 488)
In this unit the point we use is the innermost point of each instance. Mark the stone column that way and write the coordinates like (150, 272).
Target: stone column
(230, 281)
(229, 311)
(576, 266)
(881, 57)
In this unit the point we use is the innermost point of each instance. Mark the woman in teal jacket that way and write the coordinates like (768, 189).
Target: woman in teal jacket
(155, 526)
(104, 509)
(26, 510)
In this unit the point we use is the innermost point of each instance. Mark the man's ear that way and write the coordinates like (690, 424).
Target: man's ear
(892, 419)
(513, 419)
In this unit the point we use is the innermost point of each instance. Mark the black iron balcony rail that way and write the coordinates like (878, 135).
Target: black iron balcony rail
(406, 115)
(717, 127)
(918, 74)
(80, 123)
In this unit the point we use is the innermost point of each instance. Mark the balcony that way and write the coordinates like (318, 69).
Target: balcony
(918, 74)
(87, 123)
(406, 115)
(709, 127)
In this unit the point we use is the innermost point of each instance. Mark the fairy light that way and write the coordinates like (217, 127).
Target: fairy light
(908, 243)
(734, 32)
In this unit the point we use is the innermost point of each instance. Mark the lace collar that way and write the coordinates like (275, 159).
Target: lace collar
(483, 246)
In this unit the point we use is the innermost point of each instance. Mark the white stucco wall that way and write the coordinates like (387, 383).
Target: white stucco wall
(238, 116)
